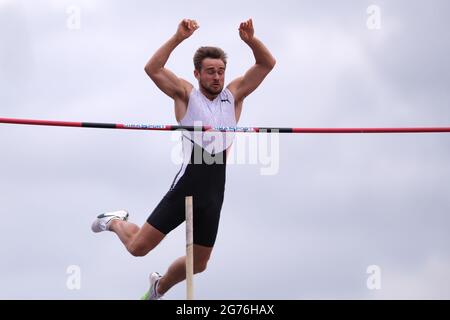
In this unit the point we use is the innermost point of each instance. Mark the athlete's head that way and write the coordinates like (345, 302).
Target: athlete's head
(210, 64)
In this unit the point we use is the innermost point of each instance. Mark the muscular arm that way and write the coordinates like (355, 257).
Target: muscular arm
(264, 63)
(166, 80)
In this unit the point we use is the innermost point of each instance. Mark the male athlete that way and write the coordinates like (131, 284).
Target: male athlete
(209, 105)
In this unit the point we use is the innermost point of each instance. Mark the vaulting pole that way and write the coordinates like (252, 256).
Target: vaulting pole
(189, 249)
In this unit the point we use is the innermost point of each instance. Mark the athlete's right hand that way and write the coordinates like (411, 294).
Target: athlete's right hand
(186, 28)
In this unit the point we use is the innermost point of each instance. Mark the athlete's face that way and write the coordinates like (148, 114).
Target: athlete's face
(211, 77)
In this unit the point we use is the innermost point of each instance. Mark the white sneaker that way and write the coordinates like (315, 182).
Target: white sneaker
(152, 294)
(103, 221)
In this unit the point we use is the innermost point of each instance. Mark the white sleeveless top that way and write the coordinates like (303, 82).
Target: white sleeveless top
(217, 113)
(203, 112)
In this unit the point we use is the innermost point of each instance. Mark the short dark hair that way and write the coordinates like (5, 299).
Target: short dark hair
(208, 52)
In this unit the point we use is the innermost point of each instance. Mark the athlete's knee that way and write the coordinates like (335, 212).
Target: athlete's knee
(138, 249)
(200, 265)
(137, 252)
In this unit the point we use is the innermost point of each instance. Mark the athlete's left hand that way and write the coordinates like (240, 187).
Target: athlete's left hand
(246, 31)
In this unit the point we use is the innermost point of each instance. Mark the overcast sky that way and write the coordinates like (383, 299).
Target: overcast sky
(305, 224)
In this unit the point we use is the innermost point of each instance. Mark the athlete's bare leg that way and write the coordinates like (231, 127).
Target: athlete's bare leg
(138, 241)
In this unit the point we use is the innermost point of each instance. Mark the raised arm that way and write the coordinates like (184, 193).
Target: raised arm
(264, 63)
(165, 79)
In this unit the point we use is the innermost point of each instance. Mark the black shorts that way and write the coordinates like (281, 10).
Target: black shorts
(206, 184)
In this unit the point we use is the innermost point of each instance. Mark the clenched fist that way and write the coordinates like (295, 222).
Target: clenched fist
(186, 28)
